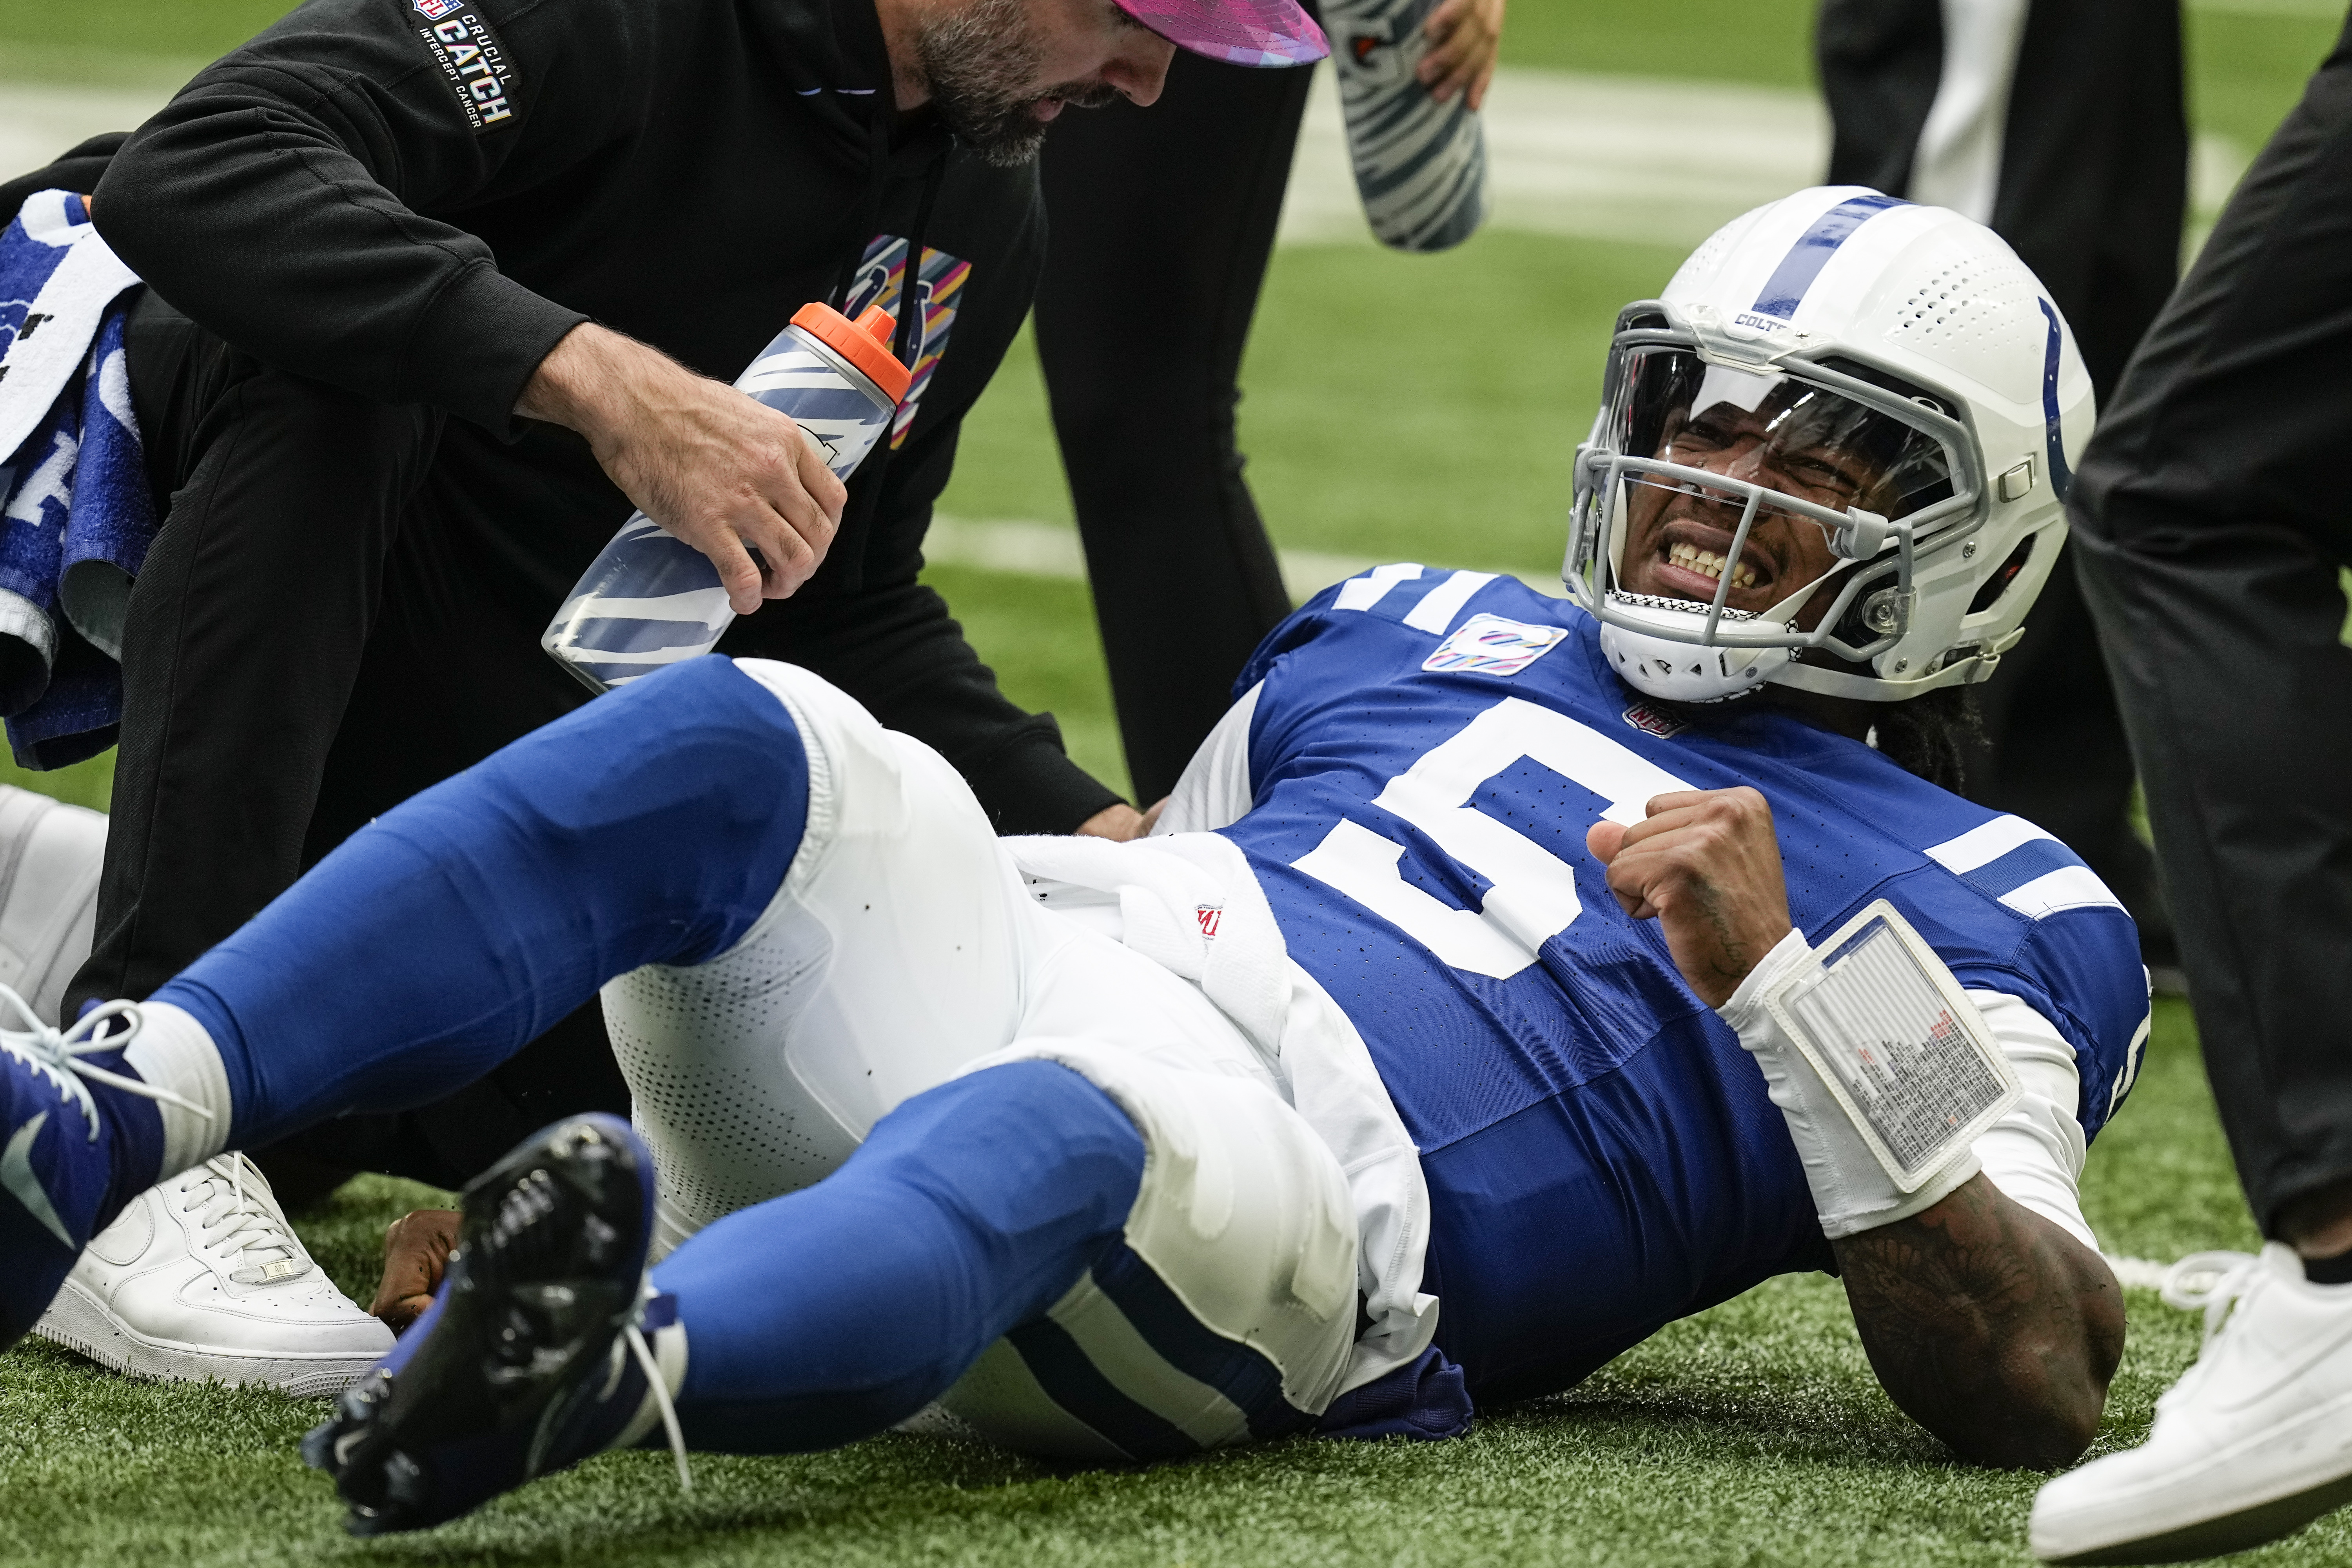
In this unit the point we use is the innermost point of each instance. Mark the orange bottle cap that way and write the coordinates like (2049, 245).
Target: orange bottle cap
(864, 342)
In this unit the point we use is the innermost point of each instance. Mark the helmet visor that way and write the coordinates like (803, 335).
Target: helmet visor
(1775, 430)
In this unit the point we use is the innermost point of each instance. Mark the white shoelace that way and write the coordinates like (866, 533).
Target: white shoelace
(635, 1337)
(58, 1055)
(240, 1225)
(2210, 1280)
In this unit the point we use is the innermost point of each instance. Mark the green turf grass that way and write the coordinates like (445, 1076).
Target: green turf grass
(1750, 1434)
(1396, 406)
(1410, 408)
(1039, 635)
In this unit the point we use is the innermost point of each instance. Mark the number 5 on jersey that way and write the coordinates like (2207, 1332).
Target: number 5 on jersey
(1533, 897)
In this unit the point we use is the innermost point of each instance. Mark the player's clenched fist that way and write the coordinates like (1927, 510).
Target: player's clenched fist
(720, 470)
(1706, 865)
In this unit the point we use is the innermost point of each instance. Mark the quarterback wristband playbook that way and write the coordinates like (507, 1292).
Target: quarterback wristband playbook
(1880, 1063)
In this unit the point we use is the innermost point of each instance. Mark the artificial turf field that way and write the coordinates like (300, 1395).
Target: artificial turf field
(1401, 407)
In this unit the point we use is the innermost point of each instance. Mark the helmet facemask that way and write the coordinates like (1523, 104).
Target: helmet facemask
(1730, 518)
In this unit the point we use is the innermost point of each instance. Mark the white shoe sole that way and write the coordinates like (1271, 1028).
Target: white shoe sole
(2159, 1530)
(2231, 1533)
(79, 1321)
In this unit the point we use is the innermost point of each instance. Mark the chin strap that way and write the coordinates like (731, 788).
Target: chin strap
(1877, 688)
(1968, 671)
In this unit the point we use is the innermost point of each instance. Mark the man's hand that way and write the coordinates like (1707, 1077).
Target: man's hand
(415, 1251)
(1706, 867)
(720, 470)
(1463, 36)
(1122, 821)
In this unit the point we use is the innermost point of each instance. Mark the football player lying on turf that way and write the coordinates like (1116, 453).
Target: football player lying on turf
(1416, 1062)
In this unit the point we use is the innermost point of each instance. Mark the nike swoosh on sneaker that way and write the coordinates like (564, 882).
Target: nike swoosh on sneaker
(17, 1175)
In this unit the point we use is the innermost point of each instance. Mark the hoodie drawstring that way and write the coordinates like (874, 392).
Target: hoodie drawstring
(869, 210)
(907, 346)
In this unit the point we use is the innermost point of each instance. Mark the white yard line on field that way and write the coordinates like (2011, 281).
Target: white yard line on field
(1596, 157)
(1625, 158)
(40, 120)
(2140, 1273)
(1051, 550)
(1599, 157)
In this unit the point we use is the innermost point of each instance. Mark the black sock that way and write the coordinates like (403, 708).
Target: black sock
(2335, 1270)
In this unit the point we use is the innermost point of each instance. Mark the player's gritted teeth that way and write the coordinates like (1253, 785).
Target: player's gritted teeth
(1708, 564)
(1683, 558)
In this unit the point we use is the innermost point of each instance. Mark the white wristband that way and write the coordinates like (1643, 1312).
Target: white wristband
(1879, 1064)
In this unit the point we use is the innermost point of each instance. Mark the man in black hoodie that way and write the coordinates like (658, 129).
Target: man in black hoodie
(438, 290)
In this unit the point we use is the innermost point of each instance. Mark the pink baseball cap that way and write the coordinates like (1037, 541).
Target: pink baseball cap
(1240, 32)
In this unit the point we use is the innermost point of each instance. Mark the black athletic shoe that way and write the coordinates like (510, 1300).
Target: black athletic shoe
(518, 1369)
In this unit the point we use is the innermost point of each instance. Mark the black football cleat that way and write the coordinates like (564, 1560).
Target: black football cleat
(518, 1369)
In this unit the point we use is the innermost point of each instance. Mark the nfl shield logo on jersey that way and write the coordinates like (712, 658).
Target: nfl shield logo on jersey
(434, 10)
(1655, 721)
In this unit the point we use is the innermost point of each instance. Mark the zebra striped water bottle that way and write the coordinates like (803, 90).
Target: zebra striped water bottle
(1420, 165)
(651, 599)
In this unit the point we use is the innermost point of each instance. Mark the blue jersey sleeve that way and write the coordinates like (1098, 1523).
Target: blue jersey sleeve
(2066, 969)
(2034, 921)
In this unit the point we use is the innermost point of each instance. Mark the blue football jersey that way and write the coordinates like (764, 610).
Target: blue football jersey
(1426, 753)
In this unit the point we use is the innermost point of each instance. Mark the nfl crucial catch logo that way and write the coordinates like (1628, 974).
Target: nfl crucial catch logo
(1489, 645)
(481, 75)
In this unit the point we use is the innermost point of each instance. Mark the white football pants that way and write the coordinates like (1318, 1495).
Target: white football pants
(903, 950)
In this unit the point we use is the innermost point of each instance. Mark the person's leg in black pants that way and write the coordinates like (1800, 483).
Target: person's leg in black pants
(316, 634)
(2093, 181)
(281, 498)
(2094, 185)
(2210, 524)
(1163, 220)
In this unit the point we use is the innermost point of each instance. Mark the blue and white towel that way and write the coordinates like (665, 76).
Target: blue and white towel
(77, 517)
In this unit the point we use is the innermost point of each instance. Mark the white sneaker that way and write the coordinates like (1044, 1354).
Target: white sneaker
(202, 1277)
(49, 859)
(2254, 1442)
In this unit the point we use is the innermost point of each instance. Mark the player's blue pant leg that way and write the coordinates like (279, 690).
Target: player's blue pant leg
(829, 1314)
(651, 826)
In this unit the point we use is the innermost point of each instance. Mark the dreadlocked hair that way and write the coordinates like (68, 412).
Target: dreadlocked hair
(1932, 734)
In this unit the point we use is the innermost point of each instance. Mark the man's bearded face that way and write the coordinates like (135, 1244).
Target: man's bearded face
(983, 62)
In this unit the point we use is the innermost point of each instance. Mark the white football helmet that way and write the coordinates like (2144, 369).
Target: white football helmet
(1892, 373)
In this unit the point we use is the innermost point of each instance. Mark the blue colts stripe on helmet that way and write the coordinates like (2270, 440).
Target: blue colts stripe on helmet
(1785, 289)
(2061, 477)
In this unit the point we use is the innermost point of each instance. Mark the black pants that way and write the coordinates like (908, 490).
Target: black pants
(319, 633)
(2209, 523)
(1163, 220)
(2093, 181)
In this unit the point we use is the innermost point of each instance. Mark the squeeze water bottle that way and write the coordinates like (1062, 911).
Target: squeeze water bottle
(651, 599)
(1420, 165)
